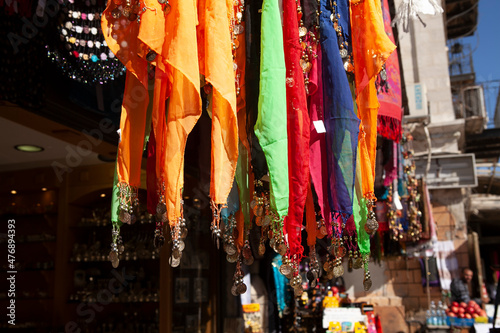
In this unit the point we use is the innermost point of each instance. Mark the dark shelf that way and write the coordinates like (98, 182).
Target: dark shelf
(50, 241)
(35, 270)
(27, 299)
(107, 261)
(108, 225)
(34, 327)
(119, 302)
(21, 217)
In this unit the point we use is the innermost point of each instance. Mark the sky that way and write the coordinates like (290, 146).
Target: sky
(486, 51)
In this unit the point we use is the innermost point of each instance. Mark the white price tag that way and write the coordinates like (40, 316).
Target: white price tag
(319, 126)
(397, 202)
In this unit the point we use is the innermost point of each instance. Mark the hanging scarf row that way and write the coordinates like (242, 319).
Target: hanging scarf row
(292, 97)
(402, 200)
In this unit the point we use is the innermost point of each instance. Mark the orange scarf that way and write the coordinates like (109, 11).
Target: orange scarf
(184, 106)
(172, 37)
(371, 48)
(121, 36)
(216, 64)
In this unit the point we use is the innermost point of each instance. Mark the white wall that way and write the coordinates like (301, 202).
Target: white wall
(424, 59)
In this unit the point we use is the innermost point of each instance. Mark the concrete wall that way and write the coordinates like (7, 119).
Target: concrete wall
(398, 281)
(424, 59)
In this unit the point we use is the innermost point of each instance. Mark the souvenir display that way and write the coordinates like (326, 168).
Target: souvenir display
(402, 200)
(83, 53)
(295, 150)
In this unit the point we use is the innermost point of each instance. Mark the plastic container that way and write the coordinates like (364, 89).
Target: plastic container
(481, 320)
(460, 322)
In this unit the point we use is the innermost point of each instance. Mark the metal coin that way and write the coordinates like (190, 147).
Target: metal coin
(161, 208)
(303, 64)
(329, 275)
(343, 53)
(258, 221)
(127, 11)
(294, 283)
(182, 245)
(373, 225)
(308, 67)
(367, 284)
(115, 263)
(253, 204)
(241, 288)
(326, 266)
(234, 290)
(266, 221)
(121, 248)
(184, 233)
(248, 261)
(285, 269)
(151, 55)
(302, 31)
(298, 291)
(231, 249)
(383, 74)
(259, 210)
(247, 252)
(232, 258)
(272, 243)
(176, 254)
(161, 2)
(262, 249)
(127, 218)
(159, 240)
(167, 9)
(341, 251)
(112, 256)
(340, 271)
(174, 262)
(336, 271)
(346, 66)
(282, 249)
(121, 215)
(238, 29)
(358, 262)
(116, 13)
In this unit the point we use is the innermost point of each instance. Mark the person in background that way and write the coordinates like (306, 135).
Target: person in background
(459, 288)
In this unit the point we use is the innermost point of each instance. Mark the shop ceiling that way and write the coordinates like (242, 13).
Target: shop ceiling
(62, 145)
